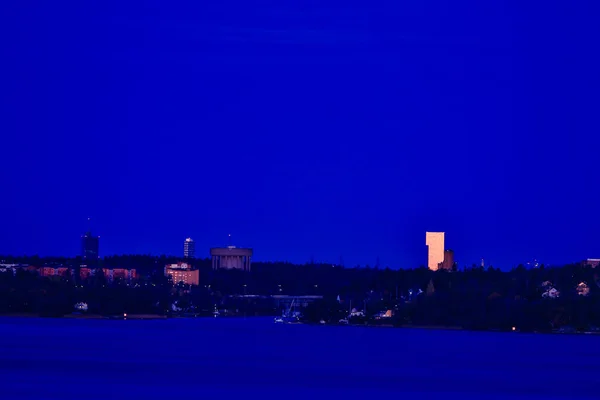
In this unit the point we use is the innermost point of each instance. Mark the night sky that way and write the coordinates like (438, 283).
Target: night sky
(305, 129)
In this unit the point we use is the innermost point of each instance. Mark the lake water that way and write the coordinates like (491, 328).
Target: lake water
(226, 358)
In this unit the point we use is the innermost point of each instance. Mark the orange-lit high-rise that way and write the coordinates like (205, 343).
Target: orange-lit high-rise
(435, 249)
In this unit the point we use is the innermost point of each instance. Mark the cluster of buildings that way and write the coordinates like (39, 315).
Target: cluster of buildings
(84, 272)
(437, 256)
(232, 257)
(110, 274)
(228, 258)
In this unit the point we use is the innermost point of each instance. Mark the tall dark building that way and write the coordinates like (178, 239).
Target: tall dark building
(448, 263)
(189, 248)
(89, 247)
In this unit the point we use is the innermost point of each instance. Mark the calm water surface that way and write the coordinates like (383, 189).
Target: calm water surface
(201, 358)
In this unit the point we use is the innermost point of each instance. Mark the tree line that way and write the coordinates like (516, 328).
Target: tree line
(474, 298)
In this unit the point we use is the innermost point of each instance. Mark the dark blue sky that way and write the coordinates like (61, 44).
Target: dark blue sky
(313, 128)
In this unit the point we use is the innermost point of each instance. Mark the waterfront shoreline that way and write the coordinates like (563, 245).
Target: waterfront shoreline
(87, 316)
(148, 317)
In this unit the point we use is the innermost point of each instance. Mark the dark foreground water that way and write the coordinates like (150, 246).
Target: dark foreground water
(254, 358)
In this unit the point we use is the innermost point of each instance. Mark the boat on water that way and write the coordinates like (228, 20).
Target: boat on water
(289, 316)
